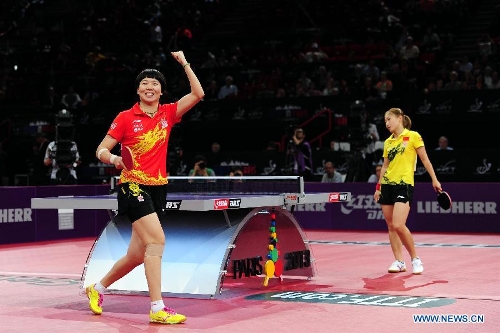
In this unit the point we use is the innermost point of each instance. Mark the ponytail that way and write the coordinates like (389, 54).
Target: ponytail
(406, 122)
(398, 112)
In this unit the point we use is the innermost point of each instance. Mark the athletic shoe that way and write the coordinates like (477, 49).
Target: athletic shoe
(397, 266)
(95, 299)
(166, 316)
(418, 267)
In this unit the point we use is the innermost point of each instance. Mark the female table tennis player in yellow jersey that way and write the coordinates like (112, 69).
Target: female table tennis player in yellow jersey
(145, 129)
(394, 190)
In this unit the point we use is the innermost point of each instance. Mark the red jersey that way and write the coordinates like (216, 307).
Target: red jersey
(148, 140)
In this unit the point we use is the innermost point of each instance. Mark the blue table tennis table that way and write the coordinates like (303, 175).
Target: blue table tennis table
(209, 237)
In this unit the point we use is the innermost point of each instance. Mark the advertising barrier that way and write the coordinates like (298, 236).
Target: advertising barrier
(475, 209)
(19, 223)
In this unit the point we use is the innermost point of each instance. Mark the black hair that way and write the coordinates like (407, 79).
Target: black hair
(151, 73)
(199, 158)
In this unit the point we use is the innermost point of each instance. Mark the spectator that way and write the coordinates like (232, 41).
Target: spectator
(215, 148)
(372, 137)
(71, 99)
(409, 51)
(200, 168)
(63, 157)
(374, 177)
(368, 93)
(465, 66)
(236, 171)
(495, 82)
(488, 72)
(302, 154)
(453, 84)
(372, 71)
(430, 41)
(228, 90)
(315, 54)
(215, 155)
(40, 170)
(331, 175)
(212, 91)
(443, 144)
(485, 44)
(384, 86)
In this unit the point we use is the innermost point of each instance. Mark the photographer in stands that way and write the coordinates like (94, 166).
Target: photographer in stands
(62, 153)
(200, 168)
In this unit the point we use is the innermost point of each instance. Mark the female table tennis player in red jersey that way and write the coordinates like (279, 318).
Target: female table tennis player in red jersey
(394, 190)
(145, 129)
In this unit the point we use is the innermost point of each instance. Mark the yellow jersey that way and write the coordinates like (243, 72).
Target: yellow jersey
(402, 155)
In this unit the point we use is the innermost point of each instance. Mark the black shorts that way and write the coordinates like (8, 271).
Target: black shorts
(136, 200)
(390, 194)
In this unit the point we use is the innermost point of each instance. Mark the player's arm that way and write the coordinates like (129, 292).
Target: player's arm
(385, 165)
(422, 154)
(103, 151)
(188, 101)
(383, 169)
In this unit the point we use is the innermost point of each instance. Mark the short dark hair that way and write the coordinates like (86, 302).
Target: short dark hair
(151, 73)
(199, 158)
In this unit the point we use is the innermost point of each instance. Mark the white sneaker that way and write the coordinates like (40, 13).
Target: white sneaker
(397, 266)
(418, 267)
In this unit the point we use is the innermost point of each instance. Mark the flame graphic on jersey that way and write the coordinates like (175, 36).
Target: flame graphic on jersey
(148, 140)
(146, 143)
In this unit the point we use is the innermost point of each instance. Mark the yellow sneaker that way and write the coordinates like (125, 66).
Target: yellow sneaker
(95, 299)
(166, 316)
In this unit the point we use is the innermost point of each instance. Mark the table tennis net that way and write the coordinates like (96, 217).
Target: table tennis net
(235, 185)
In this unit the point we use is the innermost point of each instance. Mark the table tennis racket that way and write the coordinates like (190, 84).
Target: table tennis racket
(444, 200)
(127, 157)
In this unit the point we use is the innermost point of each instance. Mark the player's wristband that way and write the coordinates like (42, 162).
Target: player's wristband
(377, 187)
(100, 153)
(112, 158)
(186, 64)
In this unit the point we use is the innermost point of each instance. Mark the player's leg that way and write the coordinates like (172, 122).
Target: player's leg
(149, 230)
(398, 265)
(403, 197)
(133, 258)
(399, 216)
(401, 212)
(151, 233)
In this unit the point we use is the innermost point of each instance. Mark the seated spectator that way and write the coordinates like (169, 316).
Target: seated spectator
(212, 91)
(374, 177)
(200, 168)
(384, 86)
(228, 90)
(453, 84)
(430, 41)
(315, 54)
(495, 82)
(443, 144)
(71, 99)
(331, 175)
(409, 51)
(236, 171)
